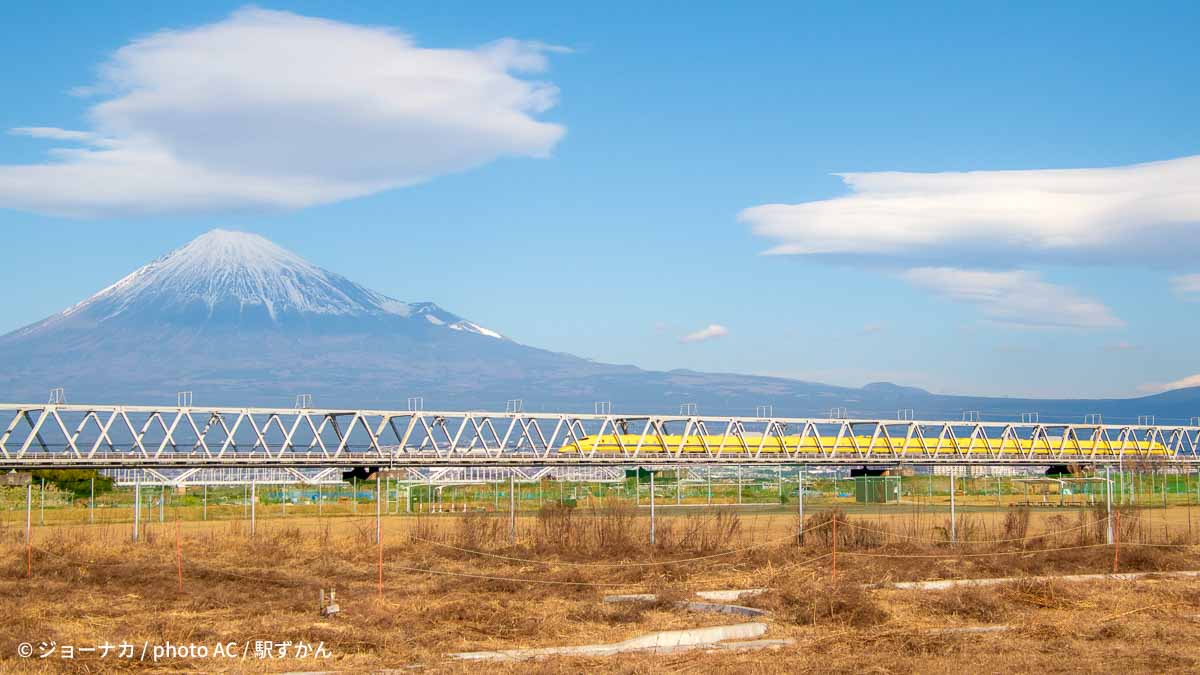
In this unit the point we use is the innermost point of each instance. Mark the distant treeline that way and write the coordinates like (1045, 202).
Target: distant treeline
(77, 482)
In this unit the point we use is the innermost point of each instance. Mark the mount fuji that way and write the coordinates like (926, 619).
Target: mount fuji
(232, 280)
(240, 321)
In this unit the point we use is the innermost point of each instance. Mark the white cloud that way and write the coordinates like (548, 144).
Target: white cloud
(1113, 213)
(1187, 285)
(709, 332)
(1192, 381)
(272, 109)
(1015, 297)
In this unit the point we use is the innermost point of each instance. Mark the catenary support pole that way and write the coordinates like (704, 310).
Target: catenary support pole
(1121, 478)
(652, 537)
(253, 505)
(29, 529)
(137, 508)
(1108, 501)
(512, 510)
(800, 504)
(379, 530)
(178, 552)
(835, 544)
(1117, 544)
(953, 524)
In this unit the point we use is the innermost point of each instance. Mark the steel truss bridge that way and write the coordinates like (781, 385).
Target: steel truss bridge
(274, 475)
(196, 437)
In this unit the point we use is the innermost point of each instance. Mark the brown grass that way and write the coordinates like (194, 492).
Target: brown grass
(443, 594)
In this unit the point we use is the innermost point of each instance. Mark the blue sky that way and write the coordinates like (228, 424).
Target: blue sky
(606, 213)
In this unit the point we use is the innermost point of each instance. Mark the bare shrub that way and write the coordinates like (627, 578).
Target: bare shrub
(819, 529)
(1016, 524)
(478, 531)
(1043, 593)
(824, 602)
(423, 530)
(556, 528)
(612, 526)
(966, 529)
(1144, 559)
(705, 534)
(965, 602)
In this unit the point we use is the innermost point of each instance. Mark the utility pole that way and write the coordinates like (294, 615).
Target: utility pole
(253, 505)
(953, 524)
(512, 510)
(29, 528)
(800, 502)
(137, 507)
(1108, 501)
(652, 537)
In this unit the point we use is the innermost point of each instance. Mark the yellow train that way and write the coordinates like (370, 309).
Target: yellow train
(770, 445)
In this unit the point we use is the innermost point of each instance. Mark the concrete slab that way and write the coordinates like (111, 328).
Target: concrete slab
(731, 595)
(664, 642)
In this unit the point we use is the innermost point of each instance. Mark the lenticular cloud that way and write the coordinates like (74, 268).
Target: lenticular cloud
(1142, 210)
(273, 109)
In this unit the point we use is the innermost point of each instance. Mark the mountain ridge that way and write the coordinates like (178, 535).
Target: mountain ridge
(240, 321)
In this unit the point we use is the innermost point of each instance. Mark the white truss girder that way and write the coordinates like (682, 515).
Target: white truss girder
(224, 476)
(159, 437)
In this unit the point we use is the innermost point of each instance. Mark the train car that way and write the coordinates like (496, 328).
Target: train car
(810, 445)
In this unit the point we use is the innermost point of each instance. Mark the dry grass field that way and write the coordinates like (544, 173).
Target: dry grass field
(454, 583)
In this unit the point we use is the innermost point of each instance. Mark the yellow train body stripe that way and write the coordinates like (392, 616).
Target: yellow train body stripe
(811, 445)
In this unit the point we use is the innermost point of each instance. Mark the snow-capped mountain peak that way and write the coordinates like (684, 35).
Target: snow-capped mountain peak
(226, 276)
